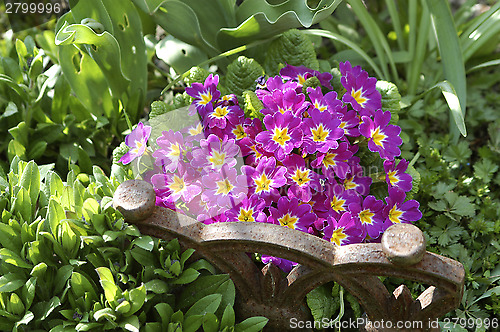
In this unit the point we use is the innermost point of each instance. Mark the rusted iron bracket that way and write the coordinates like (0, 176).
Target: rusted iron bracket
(356, 267)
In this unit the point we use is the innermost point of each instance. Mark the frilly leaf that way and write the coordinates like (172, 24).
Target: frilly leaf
(241, 75)
(293, 48)
(104, 50)
(258, 19)
(391, 99)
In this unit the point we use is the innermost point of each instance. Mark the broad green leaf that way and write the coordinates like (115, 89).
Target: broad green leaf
(178, 54)
(131, 324)
(209, 303)
(452, 59)
(252, 324)
(107, 313)
(228, 317)
(144, 242)
(55, 214)
(22, 204)
(10, 282)
(50, 306)
(28, 292)
(202, 287)
(15, 304)
(321, 302)
(28, 317)
(81, 285)
(9, 238)
(165, 311)
(259, 19)
(148, 6)
(187, 276)
(157, 286)
(111, 291)
(10, 257)
(210, 323)
(137, 297)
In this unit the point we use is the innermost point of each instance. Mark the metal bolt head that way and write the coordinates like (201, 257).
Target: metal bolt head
(403, 244)
(135, 199)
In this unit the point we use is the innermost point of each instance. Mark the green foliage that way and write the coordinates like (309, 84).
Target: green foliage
(241, 75)
(70, 262)
(293, 48)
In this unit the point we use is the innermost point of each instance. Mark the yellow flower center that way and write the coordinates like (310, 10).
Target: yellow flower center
(281, 136)
(257, 153)
(301, 177)
(338, 236)
(319, 133)
(358, 96)
(301, 79)
(393, 179)
(349, 183)
(195, 131)
(217, 159)
(246, 215)
(239, 132)
(262, 184)
(378, 137)
(138, 146)
(177, 184)
(319, 106)
(337, 204)
(329, 160)
(175, 150)
(206, 97)
(288, 221)
(394, 215)
(224, 187)
(220, 112)
(366, 216)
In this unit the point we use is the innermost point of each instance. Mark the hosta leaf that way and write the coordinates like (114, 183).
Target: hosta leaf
(137, 297)
(10, 257)
(258, 19)
(50, 306)
(209, 303)
(293, 48)
(111, 291)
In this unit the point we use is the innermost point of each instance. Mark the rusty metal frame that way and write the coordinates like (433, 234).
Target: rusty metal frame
(356, 267)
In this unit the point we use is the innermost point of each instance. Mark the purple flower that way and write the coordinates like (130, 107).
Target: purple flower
(193, 132)
(396, 176)
(223, 114)
(300, 178)
(222, 189)
(213, 153)
(284, 264)
(282, 135)
(349, 122)
(136, 141)
(321, 132)
(328, 102)
(248, 210)
(177, 185)
(344, 231)
(302, 73)
(398, 211)
(361, 91)
(346, 67)
(283, 101)
(355, 180)
(383, 137)
(215, 219)
(338, 199)
(335, 160)
(171, 150)
(291, 214)
(369, 213)
(264, 180)
(204, 94)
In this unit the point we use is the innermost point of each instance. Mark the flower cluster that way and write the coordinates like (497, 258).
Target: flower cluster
(299, 168)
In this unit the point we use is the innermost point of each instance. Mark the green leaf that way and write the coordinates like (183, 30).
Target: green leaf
(157, 286)
(259, 19)
(484, 170)
(241, 75)
(210, 323)
(28, 292)
(452, 60)
(107, 313)
(144, 242)
(80, 285)
(131, 324)
(228, 317)
(192, 323)
(252, 324)
(10, 257)
(111, 291)
(16, 305)
(455, 104)
(209, 303)
(178, 54)
(50, 306)
(55, 214)
(202, 287)
(137, 298)
(321, 302)
(186, 277)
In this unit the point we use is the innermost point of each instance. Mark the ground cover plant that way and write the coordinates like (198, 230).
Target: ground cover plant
(63, 105)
